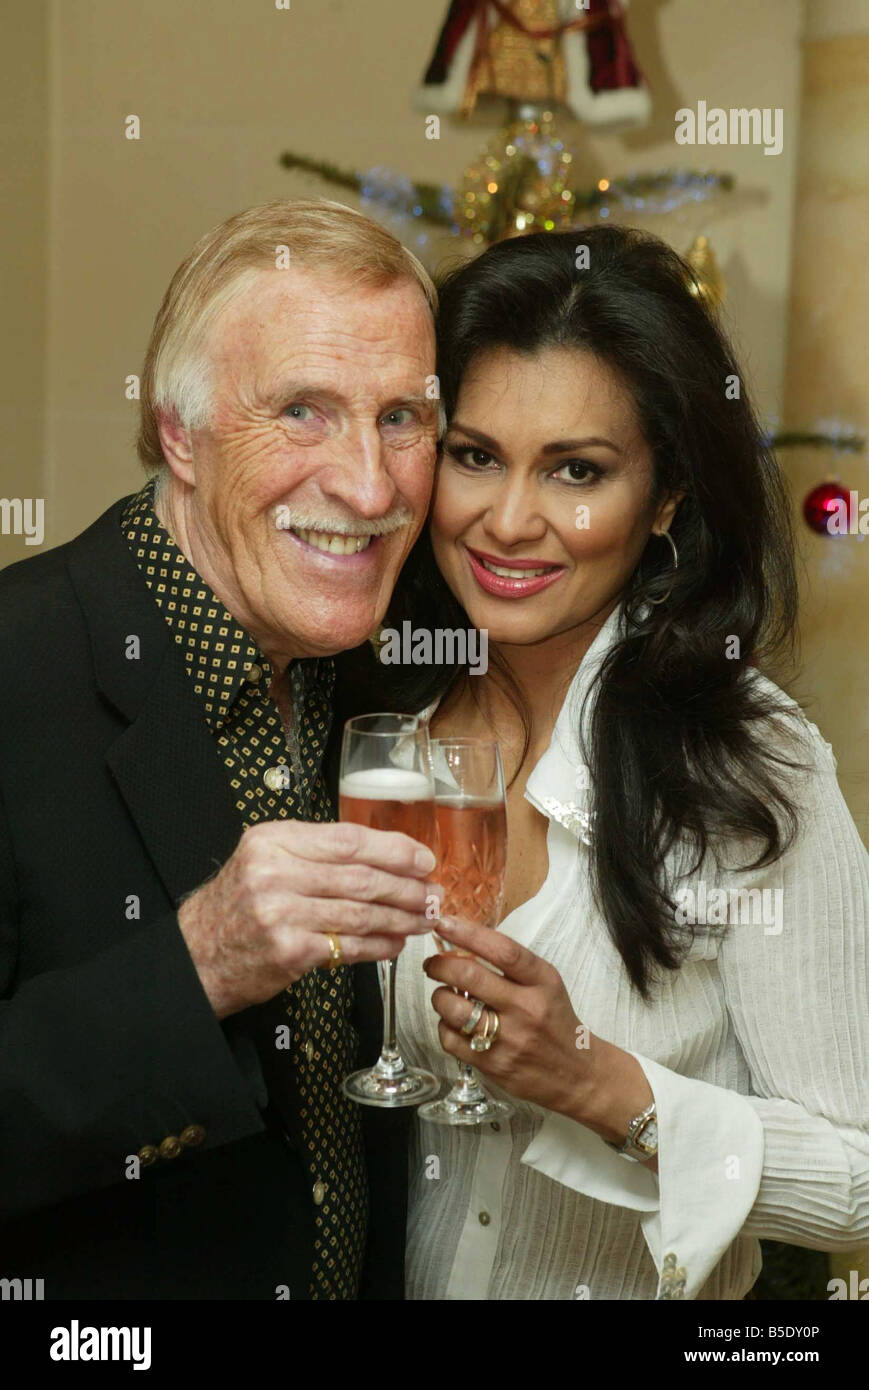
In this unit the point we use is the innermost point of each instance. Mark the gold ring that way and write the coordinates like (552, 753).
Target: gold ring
(335, 953)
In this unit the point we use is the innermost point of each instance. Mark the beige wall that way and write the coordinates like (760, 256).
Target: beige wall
(220, 89)
(24, 144)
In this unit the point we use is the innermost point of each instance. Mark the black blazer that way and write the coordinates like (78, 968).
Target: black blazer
(113, 806)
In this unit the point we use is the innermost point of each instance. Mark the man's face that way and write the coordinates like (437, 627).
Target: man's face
(320, 436)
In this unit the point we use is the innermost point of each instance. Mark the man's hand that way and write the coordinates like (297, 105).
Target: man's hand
(263, 921)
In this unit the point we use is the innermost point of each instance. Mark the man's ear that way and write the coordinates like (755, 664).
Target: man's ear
(177, 446)
(666, 512)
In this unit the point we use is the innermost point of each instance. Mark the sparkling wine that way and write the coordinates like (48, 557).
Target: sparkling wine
(390, 798)
(472, 859)
(385, 783)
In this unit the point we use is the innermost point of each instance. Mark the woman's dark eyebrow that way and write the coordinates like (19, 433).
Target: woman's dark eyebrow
(486, 440)
(559, 446)
(564, 446)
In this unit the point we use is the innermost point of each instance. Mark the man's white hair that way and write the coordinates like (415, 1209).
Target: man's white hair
(319, 234)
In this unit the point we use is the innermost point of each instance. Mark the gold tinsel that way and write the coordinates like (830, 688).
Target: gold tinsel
(709, 285)
(506, 192)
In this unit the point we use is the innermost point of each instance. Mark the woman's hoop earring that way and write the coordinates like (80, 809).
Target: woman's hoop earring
(675, 565)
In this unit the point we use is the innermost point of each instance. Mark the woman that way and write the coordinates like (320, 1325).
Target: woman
(607, 509)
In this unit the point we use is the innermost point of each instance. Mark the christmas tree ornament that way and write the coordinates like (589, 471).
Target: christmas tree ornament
(539, 51)
(519, 183)
(824, 503)
(708, 284)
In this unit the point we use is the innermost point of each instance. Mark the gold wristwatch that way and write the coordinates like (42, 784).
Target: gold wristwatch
(642, 1140)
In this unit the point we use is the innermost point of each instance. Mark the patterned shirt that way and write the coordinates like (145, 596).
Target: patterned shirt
(275, 774)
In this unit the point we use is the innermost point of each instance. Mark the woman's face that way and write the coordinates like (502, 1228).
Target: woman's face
(544, 474)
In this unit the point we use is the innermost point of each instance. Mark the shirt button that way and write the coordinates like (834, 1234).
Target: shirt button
(309, 1051)
(255, 674)
(192, 1136)
(276, 777)
(319, 1192)
(484, 1218)
(170, 1147)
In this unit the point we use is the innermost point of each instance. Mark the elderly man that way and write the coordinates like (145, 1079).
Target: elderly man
(174, 905)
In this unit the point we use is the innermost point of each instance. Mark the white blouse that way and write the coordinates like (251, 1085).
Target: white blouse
(756, 1050)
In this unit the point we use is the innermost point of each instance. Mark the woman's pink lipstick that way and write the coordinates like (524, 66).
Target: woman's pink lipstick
(500, 585)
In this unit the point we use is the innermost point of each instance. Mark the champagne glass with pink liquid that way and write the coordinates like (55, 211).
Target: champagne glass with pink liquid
(471, 813)
(386, 784)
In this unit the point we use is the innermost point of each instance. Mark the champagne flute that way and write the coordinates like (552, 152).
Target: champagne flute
(471, 815)
(386, 784)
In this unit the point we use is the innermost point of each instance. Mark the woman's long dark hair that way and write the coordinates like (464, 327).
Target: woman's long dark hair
(677, 751)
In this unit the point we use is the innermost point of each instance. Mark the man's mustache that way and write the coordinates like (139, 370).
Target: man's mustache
(289, 518)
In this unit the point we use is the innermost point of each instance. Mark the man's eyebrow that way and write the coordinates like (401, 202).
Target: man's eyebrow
(409, 398)
(558, 446)
(297, 387)
(291, 390)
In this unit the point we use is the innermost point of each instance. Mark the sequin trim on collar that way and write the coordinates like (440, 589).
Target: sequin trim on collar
(571, 816)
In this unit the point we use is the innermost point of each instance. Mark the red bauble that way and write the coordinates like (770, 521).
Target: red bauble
(822, 503)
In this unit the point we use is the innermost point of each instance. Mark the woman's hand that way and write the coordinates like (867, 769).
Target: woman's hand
(543, 1052)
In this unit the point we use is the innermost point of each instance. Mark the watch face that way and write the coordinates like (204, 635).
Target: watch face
(648, 1138)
